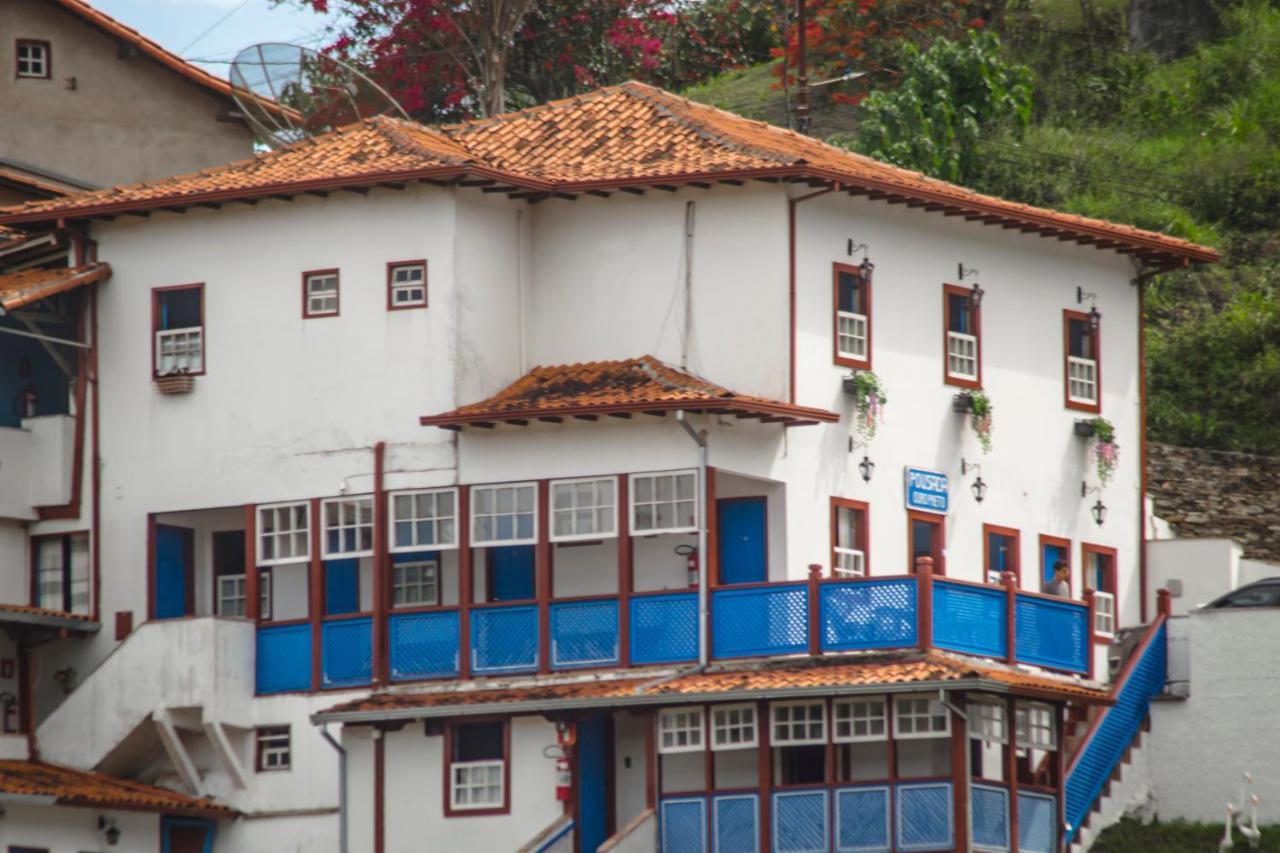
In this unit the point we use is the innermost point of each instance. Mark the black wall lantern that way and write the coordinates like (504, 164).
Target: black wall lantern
(1095, 316)
(1099, 509)
(866, 467)
(979, 485)
(975, 295)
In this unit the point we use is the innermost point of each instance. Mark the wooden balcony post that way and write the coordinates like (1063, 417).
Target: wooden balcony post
(381, 569)
(316, 590)
(1092, 605)
(252, 583)
(1010, 581)
(1011, 768)
(764, 767)
(465, 594)
(961, 776)
(543, 581)
(1164, 605)
(815, 609)
(924, 602)
(626, 582)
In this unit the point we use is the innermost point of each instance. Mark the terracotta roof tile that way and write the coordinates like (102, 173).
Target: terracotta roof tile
(22, 288)
(634, 384)
(84, 788)
(42, 611)
(627, 135)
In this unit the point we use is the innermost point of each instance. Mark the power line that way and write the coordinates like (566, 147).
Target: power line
(214, 26)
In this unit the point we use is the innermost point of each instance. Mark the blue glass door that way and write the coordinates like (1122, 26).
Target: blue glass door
(511, 573)
(173, 571)
(743, 540)
(593, 783)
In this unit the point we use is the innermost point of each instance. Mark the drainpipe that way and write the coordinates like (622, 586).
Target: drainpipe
(704, 603)
(342, 787)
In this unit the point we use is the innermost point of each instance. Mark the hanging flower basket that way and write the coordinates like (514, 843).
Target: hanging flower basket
(869, 399)
(1103, 448)
(978, 407)
(175, 383)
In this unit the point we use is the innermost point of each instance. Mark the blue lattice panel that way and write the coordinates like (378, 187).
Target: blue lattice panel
(347, 652)
(800, 822)
(924, 816)
(283, 658)
(734, 826)
(868, 614)
(584, 633)
(989, 814)
(970, 619)
(1115, 732)
(504, 639)
(1053, 633)
(423, 645)
(772, 620)
(683, 825)
(1036, 814)
(664, 628)
(862, 820)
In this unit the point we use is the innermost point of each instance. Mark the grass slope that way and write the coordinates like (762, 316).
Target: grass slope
(1130, 836)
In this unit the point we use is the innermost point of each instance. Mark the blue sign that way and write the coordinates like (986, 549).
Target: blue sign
(926, 490)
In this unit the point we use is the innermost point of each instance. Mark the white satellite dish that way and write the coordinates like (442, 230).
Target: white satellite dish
(288, 93)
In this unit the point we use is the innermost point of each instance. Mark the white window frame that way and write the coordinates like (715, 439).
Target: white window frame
(789, 739)
(32, 60)
(987, 721)
(467, 767)
(1082, 373)
(634, 481)
(414, 519)
(906, 707)
(611, 508)
(515, 513)
(844, 713)
(673, 723)
(851, 327)
(850, 563)
(342, 526)
(187, 350)
(261, 534)
(240, 594)
(397, 287)
(962, 348)
(320, 298)
(275, 751)
(1104, 613)
(746, 727)
(1035, 726)
(427, 568)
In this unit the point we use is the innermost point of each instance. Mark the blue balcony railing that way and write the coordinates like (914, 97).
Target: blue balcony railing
(284, 658)
(504, 639)
(424, 645)
(346, 652)
(664, 628)
(970, 618)
(1052, 632)
(584, 633)
(877, 613)
(769, 619)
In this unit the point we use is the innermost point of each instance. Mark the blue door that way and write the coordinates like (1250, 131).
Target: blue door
(1051, 555)
(341, 586)
(173, 570)
(511, 573)
(593, 783)
(186, 835)
(743, 542)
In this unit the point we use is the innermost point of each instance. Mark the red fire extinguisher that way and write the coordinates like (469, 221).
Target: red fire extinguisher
(28, 402)
(690, 554)
(566, 736)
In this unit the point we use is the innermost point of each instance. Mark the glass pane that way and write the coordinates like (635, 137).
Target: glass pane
(685, 482)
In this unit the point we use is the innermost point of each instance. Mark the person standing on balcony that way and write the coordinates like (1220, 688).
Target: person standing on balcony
(1060, 583)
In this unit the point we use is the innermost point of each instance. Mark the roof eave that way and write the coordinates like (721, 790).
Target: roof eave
(798, 415)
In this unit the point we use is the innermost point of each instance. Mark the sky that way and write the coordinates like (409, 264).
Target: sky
(211, 32)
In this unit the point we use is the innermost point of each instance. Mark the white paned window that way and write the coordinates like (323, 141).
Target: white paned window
(987, 722)
(733, 727)
(476, 784)
(62, 569)
(284, 533)
(424, 520)
(231, 595)
(962, 355)
(664, 503)
(320, 291)
(348, 527)
(504, 515)
(179, 351)
(583, 509)
(273, 748)
(796, 723)
(33, 59)
(1035, 727)
(680, 730)
(851, 335)
(920, 717)
(850, 563)
(415, 584)
(1082, 380)
(1104, 613)
(855, 720)
(178, 314)
(408, 285)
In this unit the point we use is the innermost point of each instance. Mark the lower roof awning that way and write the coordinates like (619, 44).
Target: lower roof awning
(19, 289)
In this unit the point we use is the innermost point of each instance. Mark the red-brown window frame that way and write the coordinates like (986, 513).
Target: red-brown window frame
(505, 808)
(48, 59)
(35, 568)
(1087, 548)
(864, 531)
(1067, 317)
(1010, 532)
(1065, 545)
(949, 290)
(940, 545)
(337, 294)
(155, 325)
(426, 277)
(258, 766)
(844, 360)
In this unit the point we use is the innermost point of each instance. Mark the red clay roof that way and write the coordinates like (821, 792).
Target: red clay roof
(22, 288)
(630, 136)
(642, 384)
(764, 678)
(74, 787)
(35, 184)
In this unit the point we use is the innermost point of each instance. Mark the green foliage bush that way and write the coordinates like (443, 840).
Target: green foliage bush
(1131, 836)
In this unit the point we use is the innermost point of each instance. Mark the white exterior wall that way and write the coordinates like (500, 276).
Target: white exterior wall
(1205, 568)
(63, 829)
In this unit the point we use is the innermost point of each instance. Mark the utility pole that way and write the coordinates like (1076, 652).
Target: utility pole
(802, 93)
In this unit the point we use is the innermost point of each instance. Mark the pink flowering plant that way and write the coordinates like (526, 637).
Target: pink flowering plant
(1106, 452)
(869, 401)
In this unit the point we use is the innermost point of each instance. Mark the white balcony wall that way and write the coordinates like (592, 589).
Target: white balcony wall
(35, 465)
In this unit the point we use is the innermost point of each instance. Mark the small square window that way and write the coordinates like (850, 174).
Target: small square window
(284, 533)
(407, 285)
(477, 769)
(920, 717)
(796, 723)
(415, 584)
(680, 730)
(987, 722)
(857, 720)
(664, 503)
(504, 515)
(583, 509)
(33, 59)
(1034, 725)
(320, 293)
(424, 520)
(178, 319)
(231, 595)
(733, 727)
(348, 527)
(273, 748)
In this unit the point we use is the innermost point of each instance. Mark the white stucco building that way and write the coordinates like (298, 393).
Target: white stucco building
(529, 460)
